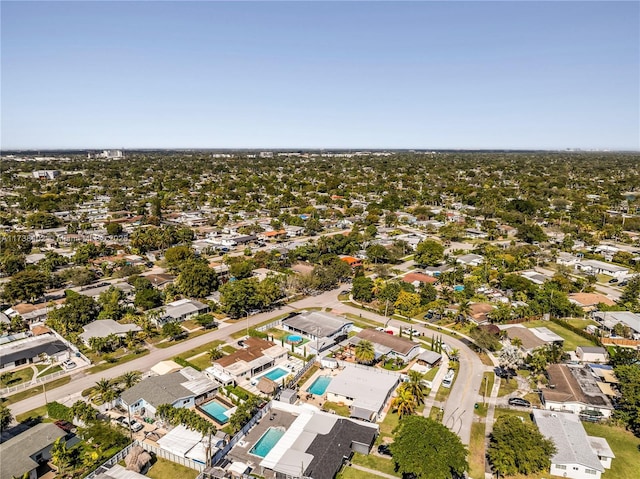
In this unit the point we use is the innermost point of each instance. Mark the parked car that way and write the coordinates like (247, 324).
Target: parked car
(384, 450)
(613, 280)
(623, 283)
(410, 331)
(65, 425)
(120, 420)
(69, 364)
(134, 425)
(519, 402)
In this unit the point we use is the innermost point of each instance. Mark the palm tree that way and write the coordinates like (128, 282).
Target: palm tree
(464, 310)
(517, 342)
(130, 378)
(102, 387)
(454, 354)
(110, 396)
(404, 403)
(415, 387)
(364, 352)
(215, 353)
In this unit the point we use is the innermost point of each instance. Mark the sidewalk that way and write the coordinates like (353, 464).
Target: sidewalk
(430, 400)
(372, 471)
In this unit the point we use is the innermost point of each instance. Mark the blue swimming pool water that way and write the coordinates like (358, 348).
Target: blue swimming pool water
(294, 338)
(320, 385)
(216, 410)
(275, 374)
(266, 442)
(458, 287)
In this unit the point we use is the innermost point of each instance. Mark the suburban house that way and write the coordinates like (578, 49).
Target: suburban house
(577, 455)
(323, 329)
(388, 345)
(310, 443)
(351, 261)
(365, 390)
(475, 234)
(567, 259)
(102, 328)
(609, 319)
(479, 312)
(575, 390)
(32, 349)
(161, 280)
(180, 310)
(257, 355)
(470, 259)
(30, 451)
(590, 301)
(184, 388)
(429, 359)
(415, 278)
(93, 291)
(592, 266)
(591, 354)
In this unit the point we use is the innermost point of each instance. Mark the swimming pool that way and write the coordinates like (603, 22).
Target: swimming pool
(319, 386)
(266, 442)
(294, 338)
(275, 374)
(216, 411)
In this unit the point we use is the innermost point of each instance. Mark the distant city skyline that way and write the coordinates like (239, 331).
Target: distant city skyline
(320, 75)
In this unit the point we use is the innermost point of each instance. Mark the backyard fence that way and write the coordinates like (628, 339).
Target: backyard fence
(184, 461)
(117, 457)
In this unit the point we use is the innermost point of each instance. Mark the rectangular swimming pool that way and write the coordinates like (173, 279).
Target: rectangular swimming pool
(216, 411)
(320, 385)
(275, 374)
(266, 442)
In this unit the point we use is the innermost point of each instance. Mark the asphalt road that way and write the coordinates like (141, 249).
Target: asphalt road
(458, 409)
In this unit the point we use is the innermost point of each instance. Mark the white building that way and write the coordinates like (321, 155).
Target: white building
(577, 456)
(592, 266)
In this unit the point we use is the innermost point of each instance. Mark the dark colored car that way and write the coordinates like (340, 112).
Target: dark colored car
(519, 402)
(384, 450)
(65, 426)
(613, 280)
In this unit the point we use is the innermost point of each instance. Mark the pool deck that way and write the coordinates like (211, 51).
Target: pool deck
(239, 453)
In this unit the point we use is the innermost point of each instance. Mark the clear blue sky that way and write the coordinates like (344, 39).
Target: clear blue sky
(333, 75)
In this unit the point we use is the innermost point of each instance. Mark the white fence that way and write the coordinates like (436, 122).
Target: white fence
(158, 451)
(29, 384)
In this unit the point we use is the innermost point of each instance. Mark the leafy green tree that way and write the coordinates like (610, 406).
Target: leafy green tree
(196, 279)
(429, 253)
(237, 297)
(630, 296)
(407, 303)
(109, 302)
(517, 447)
(362, 289)
(60, 455)
(77, 311)
(531, 233)
(176, 256)
(629, 403)
(114, 229)
(365, 352)
(42, 220)
(5, 417)
(428, 293)
(147, 298)
(427, 449)
(27, 285)
(130, 378)
(240, 268)
(11, 264)
(270, 290)
(377, 253)
(171, 330)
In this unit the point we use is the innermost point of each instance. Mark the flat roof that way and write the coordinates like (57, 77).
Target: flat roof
(369, 387)
(316, 323)
(573, 385)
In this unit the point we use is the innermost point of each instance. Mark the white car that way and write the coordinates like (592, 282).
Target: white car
(68, 364)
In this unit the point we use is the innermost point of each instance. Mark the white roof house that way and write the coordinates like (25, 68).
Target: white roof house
(610, 318)
(593, 266)
(577, 455)
(101, 328)
(365, 390)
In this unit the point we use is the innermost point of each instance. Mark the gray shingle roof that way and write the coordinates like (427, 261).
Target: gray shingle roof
(15, 454)
(316, 323)
(570, 438)
(31, 347)
(157, 390)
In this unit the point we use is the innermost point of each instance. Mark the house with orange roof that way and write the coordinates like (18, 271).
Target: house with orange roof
(414, 278)
(590, 301)
(275, 235)
(351, 261)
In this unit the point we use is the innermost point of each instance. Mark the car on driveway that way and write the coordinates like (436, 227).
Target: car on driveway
(613, 280)
(69, 364)
(519, 402)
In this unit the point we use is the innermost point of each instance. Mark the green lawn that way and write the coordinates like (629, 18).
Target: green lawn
(202, 362)
(571, 339)
(486, 388)
(389, 424)
(511, 412)
(163, 469)
(431, 374)
(340, 410)
(376, 463)
(624, 445)
(351, 473)
(507, 386)
(229, 349)
(27, 393)
(201, 349)
(123, 359)
(52, 370)
(18, 377)
(476, 451)
(39, 412)
(580, 323)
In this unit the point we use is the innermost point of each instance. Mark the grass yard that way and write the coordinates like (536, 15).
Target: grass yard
(507, 386)
(339, 409)
(512, 412)
(202, 362)
(52, 370)
(122, 359)
(571, 339)
(431, 374)
(18, 377)
(201, 349)
(476, 451)
(581, 323)
(39, 412)
(229, 349)
(624, 445)
(36, 390)
(376, 463)
(351, 473)
(305, 377)
(243, 332)
(163, 469)
(486, 388)
(190, 324)
(389, 424)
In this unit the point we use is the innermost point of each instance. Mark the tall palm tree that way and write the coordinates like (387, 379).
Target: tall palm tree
(404, 403)
(454, 354)
(364, 352)
(415, 387)
(102, 387)
(215, 353)
(130, 378)
(464, 310)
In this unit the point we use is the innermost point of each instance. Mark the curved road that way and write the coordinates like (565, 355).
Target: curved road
(458, 414)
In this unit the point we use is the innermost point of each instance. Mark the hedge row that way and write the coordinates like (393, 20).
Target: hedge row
(578, 331)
